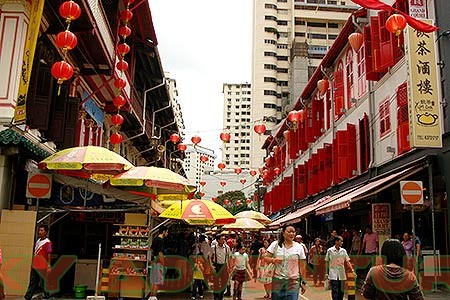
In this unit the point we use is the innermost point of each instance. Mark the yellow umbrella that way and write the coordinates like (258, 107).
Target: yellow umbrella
(154, 182)
(255, 215)
(245, 224)
(86, 162)
(198, 212)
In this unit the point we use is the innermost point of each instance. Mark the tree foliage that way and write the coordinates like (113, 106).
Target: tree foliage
(233, 197)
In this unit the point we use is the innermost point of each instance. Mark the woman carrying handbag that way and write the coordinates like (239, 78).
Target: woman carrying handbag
(265, 270)
(288, 257)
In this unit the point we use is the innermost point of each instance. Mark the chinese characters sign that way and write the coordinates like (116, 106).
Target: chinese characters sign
(423, 90)
(381, 218)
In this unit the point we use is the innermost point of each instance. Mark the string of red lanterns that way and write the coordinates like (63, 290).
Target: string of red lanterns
(66, 40)
(122, 49)
(225, 137)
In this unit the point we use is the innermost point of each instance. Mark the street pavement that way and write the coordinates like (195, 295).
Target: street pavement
(255, 290)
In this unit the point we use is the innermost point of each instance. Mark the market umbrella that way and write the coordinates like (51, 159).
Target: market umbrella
(198, 212)
(244, 224)
(153, 182)
(255, 215)
(86, 162)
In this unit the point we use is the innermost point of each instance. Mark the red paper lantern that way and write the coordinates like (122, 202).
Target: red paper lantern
(356, 40)
(69, 10)
(221, 166)
(123, 49)
(117, 119)
(226, 201)
(202, 183)
(66, 40)
(204, 158)
(396, 23)
(62, 71)
(277, 171)
(249, 201)
(223, 183)
(214, 199)
(122, 65)
(238, 202)
(202, 194)
(120, 83)
(237, 170)
(174, 138)
(115, 138)
(124, 31)
(119, 101)
(243, 180)
(126, 15)
(182, 147)
(302, 115)
(259, 128)
(323, 85)
(196, 139)
(287, 134)
(252, 172)
(225, 137)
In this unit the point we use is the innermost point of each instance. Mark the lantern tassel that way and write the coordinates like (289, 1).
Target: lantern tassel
(59, 88)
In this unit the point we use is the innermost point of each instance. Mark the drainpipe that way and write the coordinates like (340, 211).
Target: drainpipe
(153, 120)
(144, 108)
(356, 24)
(371, 125)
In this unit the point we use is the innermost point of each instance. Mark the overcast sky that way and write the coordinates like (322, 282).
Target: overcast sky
(203, 44)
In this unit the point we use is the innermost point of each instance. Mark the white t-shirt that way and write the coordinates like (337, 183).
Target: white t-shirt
(288, 268)
(241, 260)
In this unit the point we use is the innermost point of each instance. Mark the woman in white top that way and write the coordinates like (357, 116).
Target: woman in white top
(288, 257)
(242, 266)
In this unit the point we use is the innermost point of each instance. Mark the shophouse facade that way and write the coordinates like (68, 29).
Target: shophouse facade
(357, 140)
(75, 112)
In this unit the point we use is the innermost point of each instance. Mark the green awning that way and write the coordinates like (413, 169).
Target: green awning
(11, 137)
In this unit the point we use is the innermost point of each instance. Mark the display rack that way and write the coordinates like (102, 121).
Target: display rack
(128, 268)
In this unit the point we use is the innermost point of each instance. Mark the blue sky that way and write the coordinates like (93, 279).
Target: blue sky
(203, 44)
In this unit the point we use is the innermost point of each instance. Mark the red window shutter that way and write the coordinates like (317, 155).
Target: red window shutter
(335, 162)
(375, 43)
(315, 117)
(387, 42)
(315, 173)
(329, 112)
(288, 191)
(364, 143)
(350, 76)
(321, 153)
(301, 181)
(309, 133)
(327, 178)
(342, 144)
(371, 74)
(351, 156)
(292, 145)
(338, 91)
(402, 119)
(301, 136)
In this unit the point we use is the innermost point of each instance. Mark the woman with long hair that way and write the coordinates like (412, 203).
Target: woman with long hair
(264, 271)
(391, 280)
(287, 257)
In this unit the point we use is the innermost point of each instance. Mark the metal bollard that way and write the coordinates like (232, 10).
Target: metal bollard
(351, 286)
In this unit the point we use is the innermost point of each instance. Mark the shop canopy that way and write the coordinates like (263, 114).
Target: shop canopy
(367, 190)
(297, 215)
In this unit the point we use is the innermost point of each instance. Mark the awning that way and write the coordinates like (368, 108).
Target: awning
(296, 216)
(367, 190)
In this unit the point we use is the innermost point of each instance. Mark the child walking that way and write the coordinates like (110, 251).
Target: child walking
(242, 268)
(197, 285)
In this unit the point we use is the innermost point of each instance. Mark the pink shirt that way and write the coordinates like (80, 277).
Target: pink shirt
(371, 242)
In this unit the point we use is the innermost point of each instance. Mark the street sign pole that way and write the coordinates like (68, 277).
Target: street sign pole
(430, 188)
(413, 230)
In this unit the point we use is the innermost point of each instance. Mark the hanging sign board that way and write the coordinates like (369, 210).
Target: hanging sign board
(411, 192)
(418, 9)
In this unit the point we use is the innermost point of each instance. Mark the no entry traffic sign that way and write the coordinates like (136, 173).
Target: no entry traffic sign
(39, 185)
(411, 192)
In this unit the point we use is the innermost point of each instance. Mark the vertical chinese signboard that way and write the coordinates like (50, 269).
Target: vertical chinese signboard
(381, 221)
(423, 89)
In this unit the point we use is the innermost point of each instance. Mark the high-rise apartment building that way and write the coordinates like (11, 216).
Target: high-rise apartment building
(289, 40)
(173, 94)
(195, 164)
(237, 121)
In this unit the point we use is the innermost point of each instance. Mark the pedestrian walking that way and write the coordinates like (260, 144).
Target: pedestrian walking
(242, 271)
(287, 257)
(41, 264)
(198, 278)
(370, 244)
(220, 257)
(356, 243)
(316, 256)
(337, 260)
(265, 270)
(390, 280)
(158, 251)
